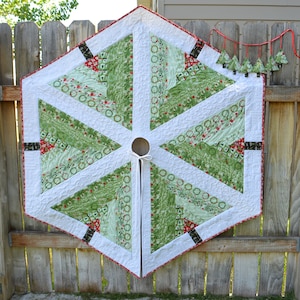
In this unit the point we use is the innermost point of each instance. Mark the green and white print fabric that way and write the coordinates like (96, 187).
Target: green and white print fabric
(85, 115)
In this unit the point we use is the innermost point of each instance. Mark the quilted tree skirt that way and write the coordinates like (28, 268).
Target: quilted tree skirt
(139, 144)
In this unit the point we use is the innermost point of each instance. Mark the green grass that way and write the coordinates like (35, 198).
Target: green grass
(176, 297)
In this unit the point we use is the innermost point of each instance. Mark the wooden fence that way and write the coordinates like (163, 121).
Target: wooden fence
(258, 257)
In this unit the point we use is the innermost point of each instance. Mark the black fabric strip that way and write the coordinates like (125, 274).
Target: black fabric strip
(85, 51)
(195, 236)
(253, 145)
(31, 146)
(88, 235)
(197, 49)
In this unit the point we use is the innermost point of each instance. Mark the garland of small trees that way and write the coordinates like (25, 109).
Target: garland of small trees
(274, 63)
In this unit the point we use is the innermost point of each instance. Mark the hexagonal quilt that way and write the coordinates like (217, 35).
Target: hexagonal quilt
(139, 144)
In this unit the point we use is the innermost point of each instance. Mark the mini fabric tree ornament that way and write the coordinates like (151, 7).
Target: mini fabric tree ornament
(246, 67)
(271, 65)
(280, 59)
(139, 144)
(234, 65)
(224, 59)
(259, 67)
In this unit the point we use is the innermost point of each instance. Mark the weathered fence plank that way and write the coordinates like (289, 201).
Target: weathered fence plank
(104, 23)
(167, 278)
(39, 270)
(277, 191)
(297, 278)
(28, 60)
(27, 49)
(6, 279)
(80, 31)
(64, 271)
(141, 285)
(288, 74)
(232, 31)
(13, 192)
(13, 219)
(199, 28)
(294, 219)
(114, 277)
(278, 161)
(282, 94)
(13, 164)
(6, 66)
(254, 244)
(6, 263)
(255, 33)
(10, 93)
(219, 268)
(193, 273)
(293, 267)
(89, 271)
(245, 283)
(53, 40)
(272, 270)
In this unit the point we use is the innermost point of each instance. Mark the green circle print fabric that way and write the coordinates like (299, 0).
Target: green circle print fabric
(138, 143)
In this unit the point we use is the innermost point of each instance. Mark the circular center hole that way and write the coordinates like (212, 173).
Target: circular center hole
(140, 146)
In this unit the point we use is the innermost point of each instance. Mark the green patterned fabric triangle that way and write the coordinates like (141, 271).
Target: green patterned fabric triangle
(67, 146)
(177, 207)
(104, 82)
(216, 145)
(105, 206)
(178, 82)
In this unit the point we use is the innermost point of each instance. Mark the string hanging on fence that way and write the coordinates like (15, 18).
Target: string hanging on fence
(273, 64)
